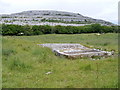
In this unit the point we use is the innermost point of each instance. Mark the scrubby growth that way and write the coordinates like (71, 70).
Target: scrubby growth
(58, 29)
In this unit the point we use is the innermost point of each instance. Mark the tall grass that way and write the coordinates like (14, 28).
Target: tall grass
(0, 60)
(25, 64)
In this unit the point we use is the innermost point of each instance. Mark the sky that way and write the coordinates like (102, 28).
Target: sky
(98, 9)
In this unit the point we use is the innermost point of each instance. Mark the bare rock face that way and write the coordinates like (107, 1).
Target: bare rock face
(75, 50)
(50, 17)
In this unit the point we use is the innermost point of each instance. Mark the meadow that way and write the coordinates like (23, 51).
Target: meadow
(25, 64)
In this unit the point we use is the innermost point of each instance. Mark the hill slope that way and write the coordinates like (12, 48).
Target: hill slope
(42, 17)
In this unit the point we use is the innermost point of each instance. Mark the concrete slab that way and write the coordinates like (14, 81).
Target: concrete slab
(75, 50)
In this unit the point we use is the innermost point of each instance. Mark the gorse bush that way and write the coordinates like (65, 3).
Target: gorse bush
(58, 29)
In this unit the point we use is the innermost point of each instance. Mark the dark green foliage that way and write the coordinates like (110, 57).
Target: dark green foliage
(11, 29)
(8, 30)
(27, 30)
(46, 29)
(5, 17)
(116, 29)
(60, 29)
(106, 29)
(36, 30)
(96, 28)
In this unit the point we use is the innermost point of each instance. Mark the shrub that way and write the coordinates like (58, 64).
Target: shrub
(28, 30)
(46, 29)
(96, 28)
(36, 30)
(58, 29)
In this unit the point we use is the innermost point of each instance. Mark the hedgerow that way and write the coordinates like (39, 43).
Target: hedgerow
(58, 29)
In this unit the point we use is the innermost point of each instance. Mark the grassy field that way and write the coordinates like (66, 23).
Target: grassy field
(25, 64)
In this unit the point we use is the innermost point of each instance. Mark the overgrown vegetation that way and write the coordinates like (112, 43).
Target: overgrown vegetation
(25, 64)
(46, 29)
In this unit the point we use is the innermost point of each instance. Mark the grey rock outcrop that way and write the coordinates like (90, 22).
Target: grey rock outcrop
(49, 17)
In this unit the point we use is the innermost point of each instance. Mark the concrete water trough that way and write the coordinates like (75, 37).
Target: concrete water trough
(75, 50)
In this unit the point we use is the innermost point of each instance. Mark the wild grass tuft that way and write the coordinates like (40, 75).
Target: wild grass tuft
(16, 64)
(8, 52)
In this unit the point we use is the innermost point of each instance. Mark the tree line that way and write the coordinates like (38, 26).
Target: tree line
(58, 29)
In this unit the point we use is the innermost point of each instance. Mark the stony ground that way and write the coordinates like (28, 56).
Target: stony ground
(48, 17)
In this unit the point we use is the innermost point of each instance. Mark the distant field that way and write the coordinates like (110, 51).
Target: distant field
(25, 64)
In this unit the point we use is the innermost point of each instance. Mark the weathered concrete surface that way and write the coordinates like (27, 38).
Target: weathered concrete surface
(75, 50)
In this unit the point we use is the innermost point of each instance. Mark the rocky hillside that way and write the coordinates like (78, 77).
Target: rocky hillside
(49, 17)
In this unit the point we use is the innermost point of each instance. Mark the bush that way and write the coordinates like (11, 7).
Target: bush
(11, 29)
(96, 28)
(46, 29)
(60, 29)
(36, 30)
(27, 30)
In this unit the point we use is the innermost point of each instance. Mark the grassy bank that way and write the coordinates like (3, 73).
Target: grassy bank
(25, 64)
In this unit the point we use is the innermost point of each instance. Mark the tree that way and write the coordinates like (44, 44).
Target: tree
(28, 30)
(106, 29)
(96, 28)
(46, 29)
(8, 29)
(58, 29)
(36, 30)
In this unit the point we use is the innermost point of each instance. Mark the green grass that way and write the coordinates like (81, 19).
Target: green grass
(0, 62)
(25, 64)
